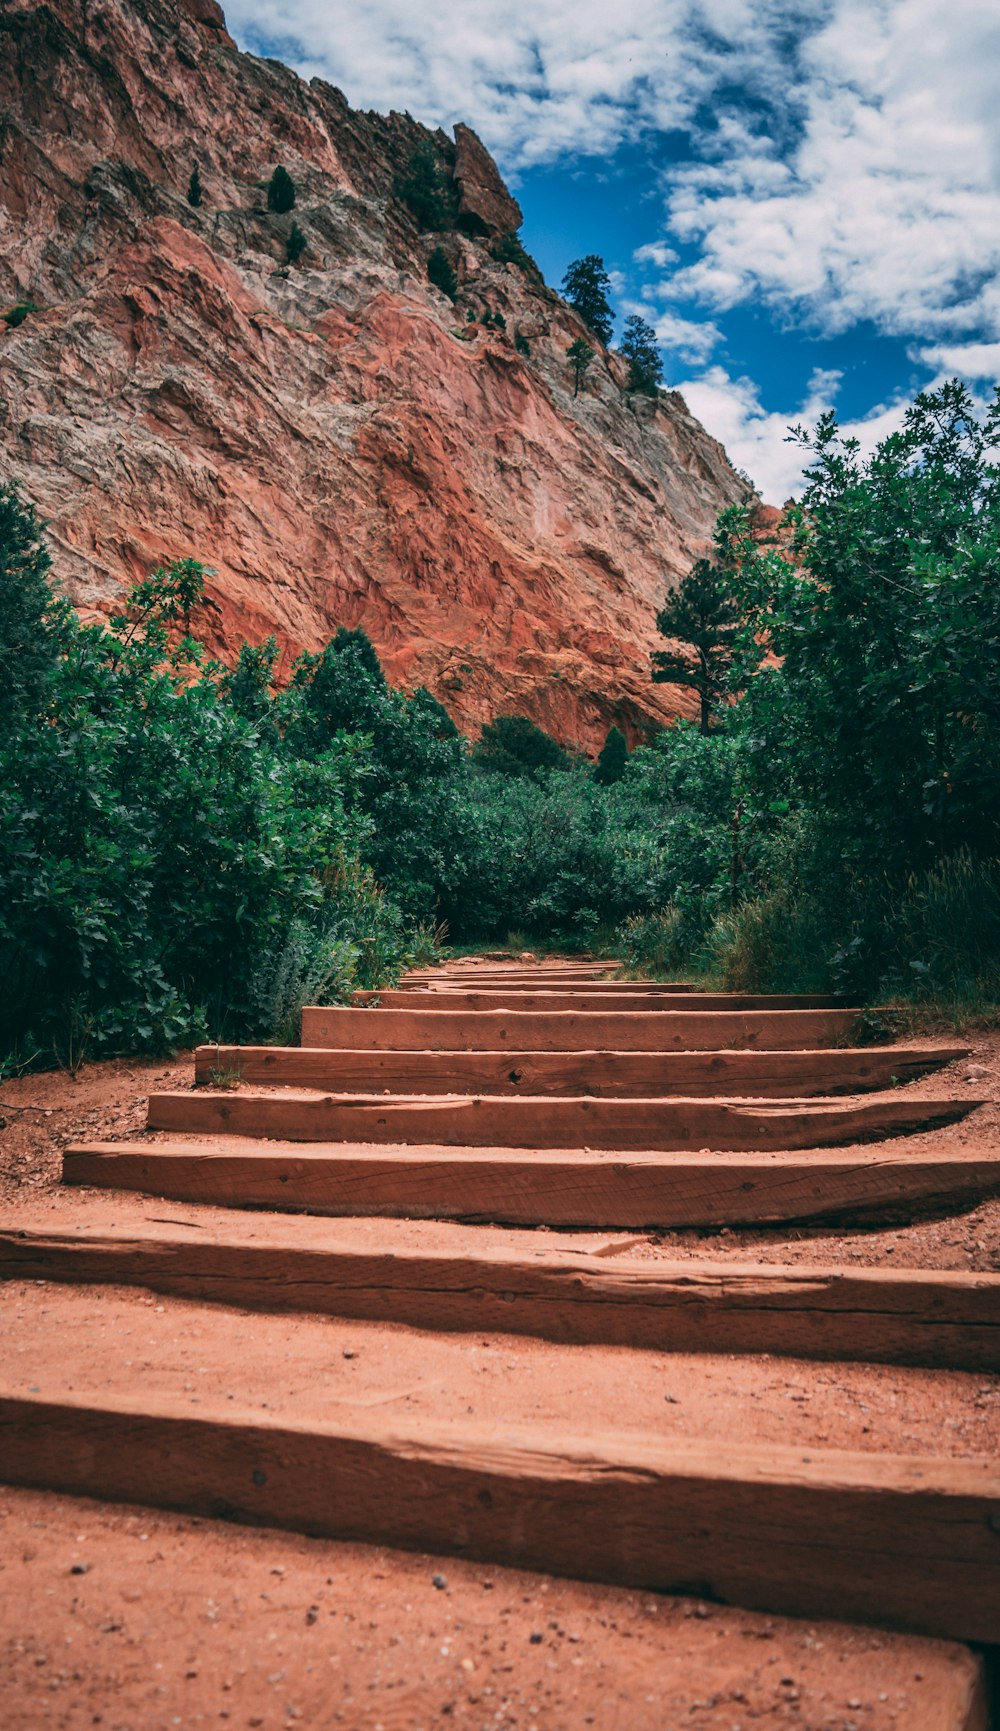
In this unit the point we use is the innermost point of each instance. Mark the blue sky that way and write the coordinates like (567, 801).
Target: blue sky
(803, 199)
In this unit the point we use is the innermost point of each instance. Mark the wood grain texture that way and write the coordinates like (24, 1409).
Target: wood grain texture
(560, 1188)
(759, 1075)
(454, 1030)
(907, 1542)
(948, 1320)
(636, 998)
(550, 1121)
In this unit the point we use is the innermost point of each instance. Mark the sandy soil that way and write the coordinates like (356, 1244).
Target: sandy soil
(131, 1620)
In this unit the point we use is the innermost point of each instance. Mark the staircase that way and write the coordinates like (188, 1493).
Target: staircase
(542, 1096)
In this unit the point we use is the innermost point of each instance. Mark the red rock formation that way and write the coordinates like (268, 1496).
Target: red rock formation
(335, 439)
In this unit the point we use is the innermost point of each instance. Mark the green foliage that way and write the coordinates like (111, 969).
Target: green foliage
(513, 745)
(170, 866)
(16, 315)
(610, 765)
(194, 194)
(703, 618)
(428, 193)
(586, 286)
(645, 363)
(296, 244)
(522, 346)
(34, 623)
(281, 191)
(441, 274)
(579, 354)
(406, 783)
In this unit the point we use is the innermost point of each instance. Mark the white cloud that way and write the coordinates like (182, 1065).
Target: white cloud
(976, 361)
(538, 78)
(656, 252)
(886, 203)
(757, 438)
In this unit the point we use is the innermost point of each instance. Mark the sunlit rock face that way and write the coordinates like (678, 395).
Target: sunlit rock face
(334, 439)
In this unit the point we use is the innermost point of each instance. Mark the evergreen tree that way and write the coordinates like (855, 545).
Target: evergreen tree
(194, 187)
(296, 244)
(425, 190)
(440, 273)
(579, 355)
(35, 624)
(513, 745)
(703, 617)
(644, 360)
(280, 191)
(586, 286)
(610, 766)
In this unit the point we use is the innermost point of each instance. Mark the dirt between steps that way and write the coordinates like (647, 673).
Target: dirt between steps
(132, 1620)
(40, 1114)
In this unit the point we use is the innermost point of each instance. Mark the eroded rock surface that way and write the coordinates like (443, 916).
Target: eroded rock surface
(336, 439)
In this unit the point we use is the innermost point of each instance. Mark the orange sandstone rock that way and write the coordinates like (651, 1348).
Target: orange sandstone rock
(334, 439)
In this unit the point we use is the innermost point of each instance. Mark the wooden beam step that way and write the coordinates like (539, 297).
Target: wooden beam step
(556, 1188)
(562, 984)
(906, 1541)
(550, 1121)
(459, 1030)
(889, 1316)
(636, 998)
(848, 1070)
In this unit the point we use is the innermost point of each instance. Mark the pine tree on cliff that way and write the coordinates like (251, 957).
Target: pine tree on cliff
(424, 189)
(440, 273)
(194, 187)
(703, 618)
(280, 191)
(586, 286)
(610, 766)
(296, 244)
(645, 364)
(579, 355)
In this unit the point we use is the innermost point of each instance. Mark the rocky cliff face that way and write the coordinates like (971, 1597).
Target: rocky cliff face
(335, 438)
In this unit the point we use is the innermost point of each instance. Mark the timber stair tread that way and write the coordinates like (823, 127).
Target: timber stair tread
(551, 1121)
(902, 1316)
(440, 1026)
(745, 1074)
(551, 1187)
(382, 1446)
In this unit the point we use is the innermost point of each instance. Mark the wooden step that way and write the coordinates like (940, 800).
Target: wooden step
(549, 1121)
(637, 998)
(849, 1070)
(459, 1030)
(906, 1541)
(555, 1188)
(890, 1316)
(562, 984)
